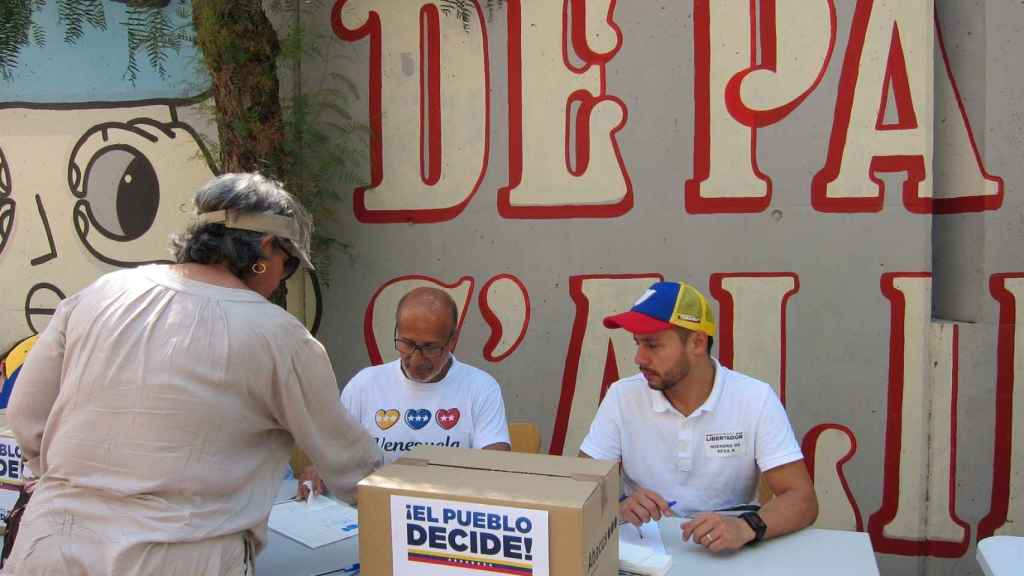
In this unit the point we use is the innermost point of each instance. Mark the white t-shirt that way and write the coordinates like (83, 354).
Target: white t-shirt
(707, 461)
(463, 410)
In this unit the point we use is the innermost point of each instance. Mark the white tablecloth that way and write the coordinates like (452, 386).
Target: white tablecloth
(1001, 555)
(286, 557)
(810, 551)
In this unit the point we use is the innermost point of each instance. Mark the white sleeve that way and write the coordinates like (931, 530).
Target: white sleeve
(776, 444)
(604, 441)
(304, 402)
(489, 424)
(37, 385)
(350, 398)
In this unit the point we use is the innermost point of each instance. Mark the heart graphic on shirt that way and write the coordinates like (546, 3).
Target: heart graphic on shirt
(447, 418)
(386, 418)
(417, 419)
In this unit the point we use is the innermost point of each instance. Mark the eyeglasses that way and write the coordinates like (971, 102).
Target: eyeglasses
(292, 263)
(428, 350)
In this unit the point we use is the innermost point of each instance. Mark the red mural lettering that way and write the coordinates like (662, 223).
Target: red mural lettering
(911, 163)
(893, 495)
(809, 448)
(578, 108)
(695, 202)
(726, 324)
(570, 376)
(492, 319)
(1002, 468)
(767, 31)
(898, 83)
(431, 119)
(962, 202)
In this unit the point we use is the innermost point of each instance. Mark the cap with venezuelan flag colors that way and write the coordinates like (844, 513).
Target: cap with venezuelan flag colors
(664, 305)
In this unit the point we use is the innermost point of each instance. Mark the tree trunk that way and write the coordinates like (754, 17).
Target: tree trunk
(240, 48)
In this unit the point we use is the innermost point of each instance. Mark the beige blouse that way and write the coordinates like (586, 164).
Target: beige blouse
(157, 409)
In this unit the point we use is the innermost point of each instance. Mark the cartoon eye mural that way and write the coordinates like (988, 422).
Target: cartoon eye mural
(6, 202)
(124, 177)
(126, 192)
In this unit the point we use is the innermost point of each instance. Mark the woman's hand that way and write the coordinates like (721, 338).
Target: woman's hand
(310, 478)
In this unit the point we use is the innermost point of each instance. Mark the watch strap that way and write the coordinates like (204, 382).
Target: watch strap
(756, 523)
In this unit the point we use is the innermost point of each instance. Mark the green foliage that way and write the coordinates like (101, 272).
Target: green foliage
(75, 14)
(147, 25)
(15, 29)
(325, 143)
(151, 30)
(463, 10)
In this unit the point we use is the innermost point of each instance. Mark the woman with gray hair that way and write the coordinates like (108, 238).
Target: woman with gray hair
(161, 404)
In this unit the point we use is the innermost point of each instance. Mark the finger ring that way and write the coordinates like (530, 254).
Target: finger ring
(707, 538)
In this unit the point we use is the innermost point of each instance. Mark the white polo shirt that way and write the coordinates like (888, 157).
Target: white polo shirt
(706, 461)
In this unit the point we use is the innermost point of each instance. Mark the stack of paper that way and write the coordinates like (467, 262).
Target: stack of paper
(637, 560)
(316, 523)
(642, 551)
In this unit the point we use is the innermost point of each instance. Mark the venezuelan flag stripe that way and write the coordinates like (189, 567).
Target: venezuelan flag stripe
(471, 563)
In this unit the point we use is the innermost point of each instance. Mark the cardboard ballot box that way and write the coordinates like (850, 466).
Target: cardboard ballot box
(453, 511)
(13, 473)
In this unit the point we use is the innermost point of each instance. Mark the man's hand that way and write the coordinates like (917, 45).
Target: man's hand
(310, 475)
(642, 507)
(717, 532)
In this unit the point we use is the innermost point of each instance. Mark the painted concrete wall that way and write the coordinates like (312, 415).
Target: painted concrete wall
(838, 176)
(95, 172)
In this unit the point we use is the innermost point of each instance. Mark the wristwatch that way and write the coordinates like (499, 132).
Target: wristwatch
(753, 519)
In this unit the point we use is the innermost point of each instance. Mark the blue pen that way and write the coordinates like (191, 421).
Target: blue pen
(353, 569)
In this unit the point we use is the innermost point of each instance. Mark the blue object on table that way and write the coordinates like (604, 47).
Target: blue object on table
(352, 570)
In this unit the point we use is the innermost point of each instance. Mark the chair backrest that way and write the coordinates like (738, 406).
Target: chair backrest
(525, 437)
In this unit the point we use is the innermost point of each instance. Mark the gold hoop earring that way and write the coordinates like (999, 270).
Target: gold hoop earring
(259, 268)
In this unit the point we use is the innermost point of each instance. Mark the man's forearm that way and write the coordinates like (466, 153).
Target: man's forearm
(789, 512)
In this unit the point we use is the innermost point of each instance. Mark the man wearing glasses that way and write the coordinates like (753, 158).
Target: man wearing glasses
(426, 396)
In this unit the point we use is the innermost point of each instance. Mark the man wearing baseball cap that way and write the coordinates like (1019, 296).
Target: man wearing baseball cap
(693, 436)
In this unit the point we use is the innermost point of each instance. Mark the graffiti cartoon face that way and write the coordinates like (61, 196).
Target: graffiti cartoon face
(84, 192)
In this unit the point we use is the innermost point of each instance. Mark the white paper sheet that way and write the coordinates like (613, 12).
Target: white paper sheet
(317, 523)
(651, 536)
(642, 551)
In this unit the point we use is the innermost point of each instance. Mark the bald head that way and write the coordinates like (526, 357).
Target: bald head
(425, 323)
(427, 301)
